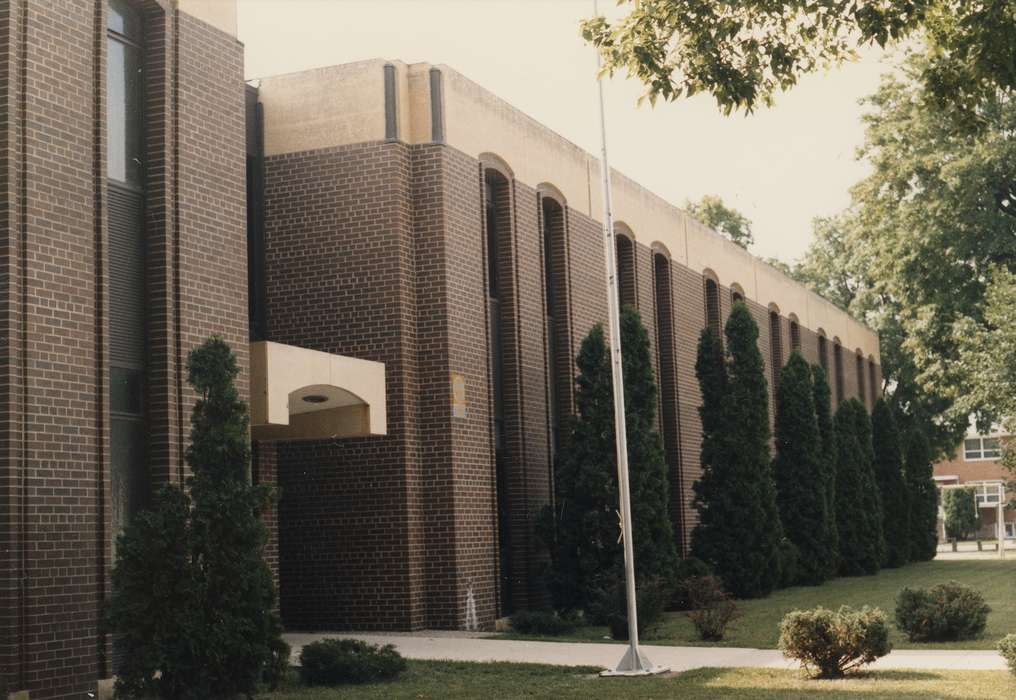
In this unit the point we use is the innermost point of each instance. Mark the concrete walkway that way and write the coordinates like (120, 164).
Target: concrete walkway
(459, 646)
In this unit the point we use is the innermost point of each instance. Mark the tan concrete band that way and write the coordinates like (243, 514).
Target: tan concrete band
(340, 105)
(221, 14)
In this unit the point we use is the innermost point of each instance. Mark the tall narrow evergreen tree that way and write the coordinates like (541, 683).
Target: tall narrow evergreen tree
(193, 599)
(827, 466)
(872, 495)
(800, 485)
(858, 513)
(585, 551)
(739, 531)
(717, 537)
(885, 439)
(923, 496)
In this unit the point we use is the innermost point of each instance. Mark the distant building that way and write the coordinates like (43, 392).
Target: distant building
(978, 464)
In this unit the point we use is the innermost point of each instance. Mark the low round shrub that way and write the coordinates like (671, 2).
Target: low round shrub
(943, 613)
(1007, 648)
(832, 643)
(610, 605)
(713, 609)
(543, 622)
(337, 661)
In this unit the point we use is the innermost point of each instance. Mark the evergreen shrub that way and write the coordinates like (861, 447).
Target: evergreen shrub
(947, 612)
(342, 661)
(610, 604)
(548, 622)
(829, 644)
(1007, 648)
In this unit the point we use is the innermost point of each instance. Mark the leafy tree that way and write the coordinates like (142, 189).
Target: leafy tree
(988, 358)
(797, 469)
(712, 212)
(923, 497)
(885, 438)
(858, 509)
(745, 51)
(827, 465)
(585, 553)
(960, 506)
(739, 530)
(192, 595)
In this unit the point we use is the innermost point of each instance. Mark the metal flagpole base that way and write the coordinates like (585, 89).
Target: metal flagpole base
(631, 665)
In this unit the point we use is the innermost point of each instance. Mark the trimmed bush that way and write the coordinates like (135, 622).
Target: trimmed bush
(193, 602)
(713, 608)
(687, 570)
(944, 613)
(961, 516)
(543, 622)
(581, 529)
(858, 503)
(922, 497)
(340, 661)
(610, 605)
(829, 644)
(737, 536)
(827, 464)
(1007, 648)
(800, 484)
(885, 440)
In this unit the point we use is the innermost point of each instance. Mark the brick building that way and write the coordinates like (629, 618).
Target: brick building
(412, 218)
(978, 464)
(405, 267)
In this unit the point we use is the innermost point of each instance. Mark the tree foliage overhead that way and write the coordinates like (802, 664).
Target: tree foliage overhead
(798, 472)
(885, 439)
(582, 529)
(193, 598)
(729, 222)
(739, 530)
(744, 52)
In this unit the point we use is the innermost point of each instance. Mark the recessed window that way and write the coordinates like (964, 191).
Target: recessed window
(981, 448)
(712, 293)
(775, 346)
(795, 336)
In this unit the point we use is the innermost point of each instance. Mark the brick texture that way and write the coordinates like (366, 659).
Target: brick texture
(55, 540)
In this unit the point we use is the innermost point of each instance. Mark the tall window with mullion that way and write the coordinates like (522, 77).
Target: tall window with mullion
(127, 317)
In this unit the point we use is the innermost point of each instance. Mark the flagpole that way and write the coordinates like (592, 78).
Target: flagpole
(634, 662)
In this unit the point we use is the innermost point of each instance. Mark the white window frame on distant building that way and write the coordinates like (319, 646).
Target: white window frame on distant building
(974, 449)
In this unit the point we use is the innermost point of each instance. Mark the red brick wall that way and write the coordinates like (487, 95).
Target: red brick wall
(54, 470)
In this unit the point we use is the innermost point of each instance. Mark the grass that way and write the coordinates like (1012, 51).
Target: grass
(446, 679)
(759, 627)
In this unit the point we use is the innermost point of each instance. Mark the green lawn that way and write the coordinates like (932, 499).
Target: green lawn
(443, 679)
(759, 628)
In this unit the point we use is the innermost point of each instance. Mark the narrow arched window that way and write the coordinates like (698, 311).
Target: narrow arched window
(862, 393)
(552, 225)
(838, 371)
(625, 248)
(497, 225)
(735, 296)
(823, 353)
(712, 304)
(795, 336)
(666, 346)
(775, 346)
(873, 381)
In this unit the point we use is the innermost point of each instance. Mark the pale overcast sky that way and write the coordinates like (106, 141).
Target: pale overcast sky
(781, 167)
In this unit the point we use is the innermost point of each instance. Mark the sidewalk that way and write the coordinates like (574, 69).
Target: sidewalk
(459, 646)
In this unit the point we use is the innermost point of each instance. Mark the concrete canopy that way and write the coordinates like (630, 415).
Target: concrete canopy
(301, 394)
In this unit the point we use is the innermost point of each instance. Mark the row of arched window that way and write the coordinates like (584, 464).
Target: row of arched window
(499, 208)
(867, 383)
